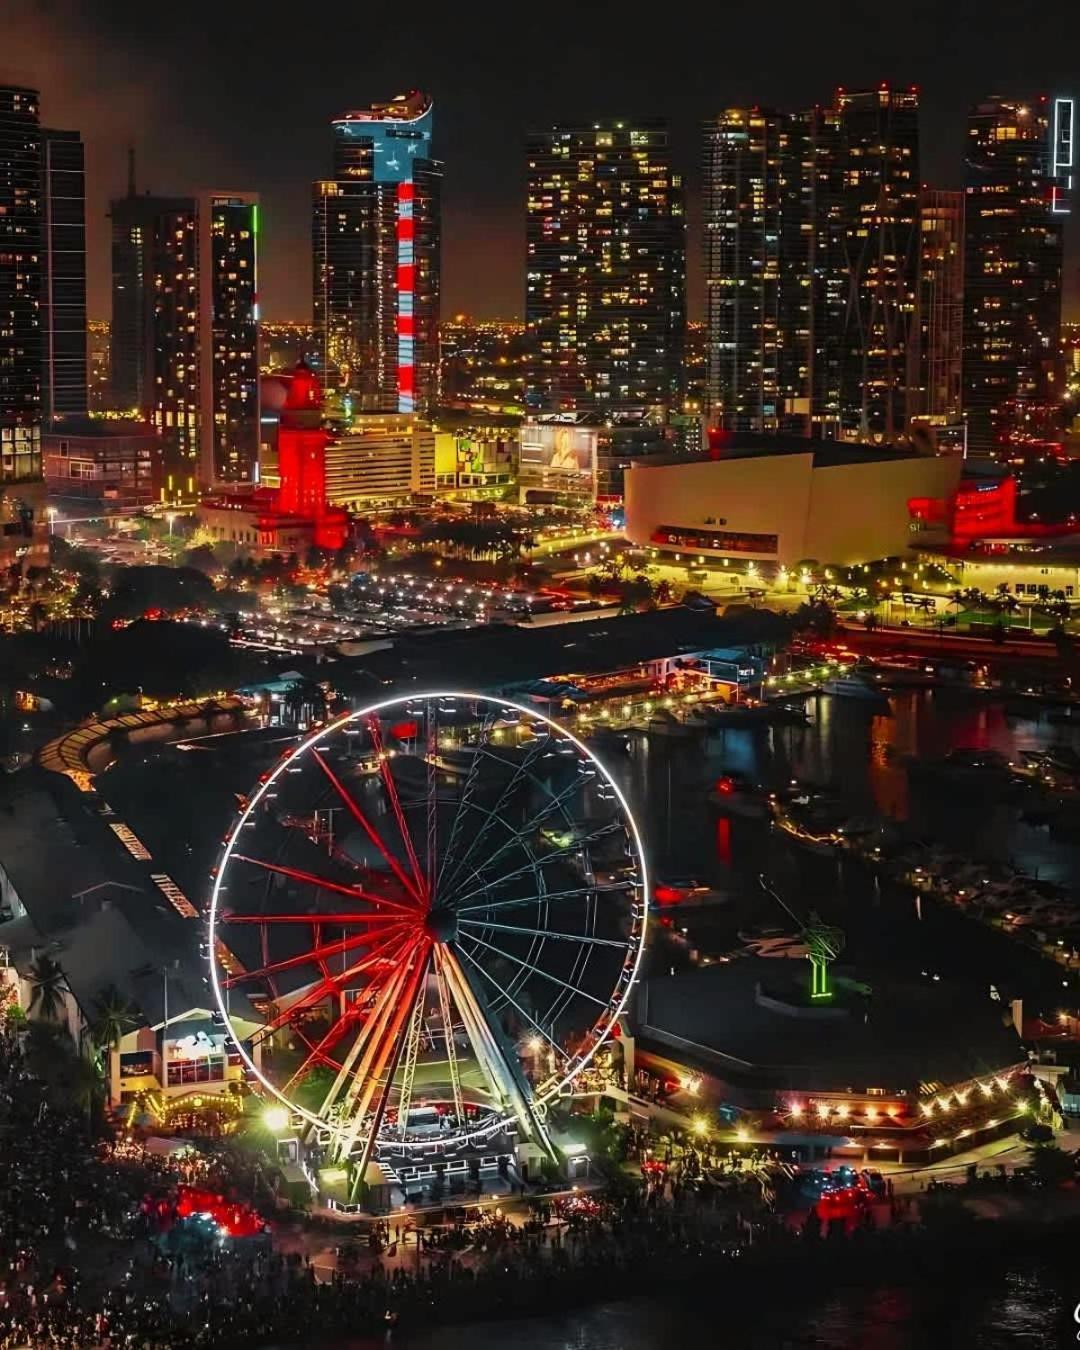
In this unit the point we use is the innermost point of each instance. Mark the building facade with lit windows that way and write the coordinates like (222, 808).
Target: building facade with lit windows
(376, 259)
(23, 540)
(755, 271)
(941, 307)
(381, 458)
(812, 264)
(605, 303)
(63, 282)
(185, 330)
(1018, 176)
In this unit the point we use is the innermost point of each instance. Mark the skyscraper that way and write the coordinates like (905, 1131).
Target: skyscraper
(1017, 177)
(756, 270)
(811, 253)
(21, 246)
(375, 251)
(938, 345)
(63, 284)
(866, 209)
(185, 328)
(605, 303)
(228, 307)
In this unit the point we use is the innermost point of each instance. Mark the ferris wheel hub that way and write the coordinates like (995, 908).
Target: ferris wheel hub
(441, 924)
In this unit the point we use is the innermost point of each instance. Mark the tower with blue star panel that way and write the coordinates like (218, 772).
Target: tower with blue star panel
(375, 243)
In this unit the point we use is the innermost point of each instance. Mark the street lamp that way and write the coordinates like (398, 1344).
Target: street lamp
(170, 516)
(50, 511)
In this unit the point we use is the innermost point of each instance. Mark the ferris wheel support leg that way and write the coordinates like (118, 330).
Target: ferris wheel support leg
(496, 1058)
(380, 1010)
(387, 1024)
(448, 1031)
(378, 1078)
(412, 1050)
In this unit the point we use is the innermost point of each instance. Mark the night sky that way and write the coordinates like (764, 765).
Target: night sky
(228, 95)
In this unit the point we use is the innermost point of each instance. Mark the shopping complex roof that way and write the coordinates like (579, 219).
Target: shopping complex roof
(723, 1019)
(496, 657)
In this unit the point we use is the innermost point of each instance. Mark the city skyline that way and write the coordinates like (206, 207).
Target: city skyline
(234, 126)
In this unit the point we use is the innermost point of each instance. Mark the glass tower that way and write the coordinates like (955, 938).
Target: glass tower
(1017, 169)
(63, 285)
(605, 301)
(376, 259)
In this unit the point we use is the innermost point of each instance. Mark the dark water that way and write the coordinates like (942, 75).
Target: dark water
(180, 804)
(862, 755)
(1023, 1310)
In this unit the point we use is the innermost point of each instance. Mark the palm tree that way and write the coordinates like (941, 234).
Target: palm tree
(114, 1016)
(49, 987)
(86, 1086)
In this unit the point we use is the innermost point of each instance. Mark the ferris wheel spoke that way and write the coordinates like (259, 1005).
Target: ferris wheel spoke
(519, 775)
(389, 949)
(369, 829)
(472, 778)
(514, 1003)
(535, 970)
(320, 1054)
(325, 884)
(550, 807)
(432, 800)
(582, 938)
(320, 953)
(390, 788)
(548, 896)
(565, 851)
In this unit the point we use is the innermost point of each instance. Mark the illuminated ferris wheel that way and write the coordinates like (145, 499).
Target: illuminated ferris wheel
(432, 912)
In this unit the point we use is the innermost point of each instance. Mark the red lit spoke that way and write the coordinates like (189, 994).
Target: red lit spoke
(319, 1054)
(390, 787)
(319, 954)
(338, 887)
(369, 829)
(389, 948)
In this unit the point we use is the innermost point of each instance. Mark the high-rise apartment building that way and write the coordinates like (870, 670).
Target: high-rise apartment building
(1018, 167)
(756, 260)
(867, 218)
(605, 303)
(937, 339)
(185, 328)
(63, 281)
(375, 251)
(812, 230)
(23, 540)
(21, 248)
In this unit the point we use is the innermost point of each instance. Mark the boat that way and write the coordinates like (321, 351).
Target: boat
(681, 890)
(971, 768)
(663, 723)
(789, 714)
(733, 794)
(855, 687)
(733, 715)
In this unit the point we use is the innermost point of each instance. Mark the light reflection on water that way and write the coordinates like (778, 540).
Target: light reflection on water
(862, 756)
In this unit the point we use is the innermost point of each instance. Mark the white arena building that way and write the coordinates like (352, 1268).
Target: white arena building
(778, 501)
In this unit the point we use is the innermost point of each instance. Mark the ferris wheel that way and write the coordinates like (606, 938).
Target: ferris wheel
(426, 920)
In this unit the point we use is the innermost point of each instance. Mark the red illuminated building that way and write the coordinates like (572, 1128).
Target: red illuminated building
(296, 515)
(982, 507)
